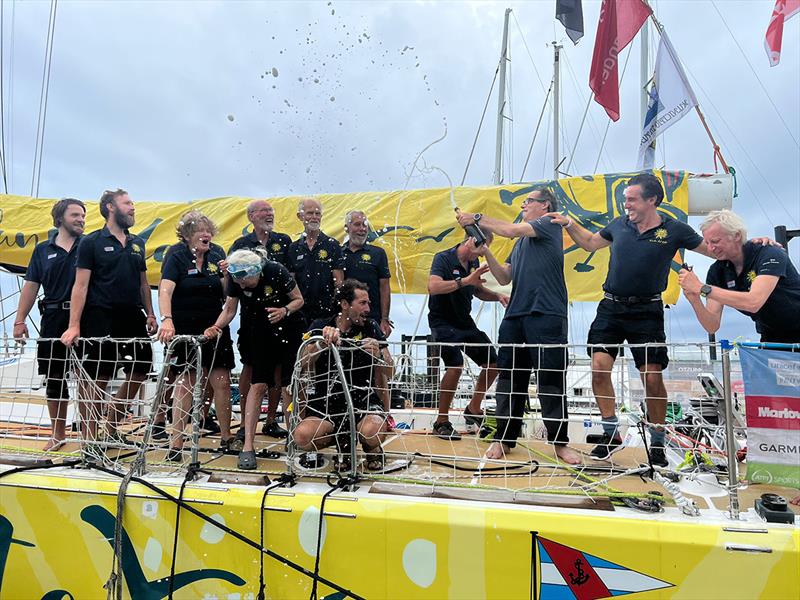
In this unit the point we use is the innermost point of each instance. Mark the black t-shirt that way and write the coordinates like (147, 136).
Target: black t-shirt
(359, 367)
(116, 269)
(313, 270)
(537, 272)
(198, 293)
(640, 262)
(779, 312)
(272, 291)
(276, 245)
(453, 309)
(369, 265)
(54, 269)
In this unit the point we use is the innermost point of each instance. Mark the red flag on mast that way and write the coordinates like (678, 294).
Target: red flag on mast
(784, 9)
(620, 21)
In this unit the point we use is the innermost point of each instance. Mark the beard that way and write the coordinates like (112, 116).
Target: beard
(123, 221)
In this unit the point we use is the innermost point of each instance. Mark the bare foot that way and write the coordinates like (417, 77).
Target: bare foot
(497, 450)
(54, 444)
(795, 501)
(568, 455)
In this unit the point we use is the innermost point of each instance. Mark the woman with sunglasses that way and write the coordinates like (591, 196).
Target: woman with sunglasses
(190, 297)
(270, 303)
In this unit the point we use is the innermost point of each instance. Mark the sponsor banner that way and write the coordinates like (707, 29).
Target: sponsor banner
(411, 226)
(772, 398)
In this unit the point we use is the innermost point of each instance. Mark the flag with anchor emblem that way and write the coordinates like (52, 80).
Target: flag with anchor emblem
(569, 574)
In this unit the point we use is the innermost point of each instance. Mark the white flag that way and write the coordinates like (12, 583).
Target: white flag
(671, 97)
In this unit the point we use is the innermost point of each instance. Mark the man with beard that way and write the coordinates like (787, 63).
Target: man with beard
(111, 298)
(362, 352)
(262, 216)
(52, 266)
(368, 264)
(315, 261)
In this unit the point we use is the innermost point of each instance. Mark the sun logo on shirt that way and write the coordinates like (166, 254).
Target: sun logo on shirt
(275, 247)
(751, 276)
(136, 249)
(268, 291)
(661, 233)
(357, 338)
(323, 254)
(213, 268)
(365, 257)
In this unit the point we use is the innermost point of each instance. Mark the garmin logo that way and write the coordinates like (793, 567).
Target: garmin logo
(773, 413)
(779, 448)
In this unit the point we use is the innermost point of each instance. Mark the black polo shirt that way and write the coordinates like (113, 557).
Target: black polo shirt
(780, 311)
(276, 245)
(272, 291)
(537, 272)
(54, 269)
(369, 264)
(116, 269)
(198, 293)
(640, 262)
(453, 309)
(313, 270)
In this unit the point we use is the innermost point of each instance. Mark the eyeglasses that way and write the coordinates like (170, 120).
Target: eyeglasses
(529, 200)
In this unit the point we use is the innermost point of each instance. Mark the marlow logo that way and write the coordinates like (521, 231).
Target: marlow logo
(774, 413)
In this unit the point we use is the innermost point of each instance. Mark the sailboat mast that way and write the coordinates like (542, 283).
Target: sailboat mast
(644, 70)
(556, 103)
(501, 102)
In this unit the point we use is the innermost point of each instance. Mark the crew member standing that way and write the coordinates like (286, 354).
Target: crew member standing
(52, 267)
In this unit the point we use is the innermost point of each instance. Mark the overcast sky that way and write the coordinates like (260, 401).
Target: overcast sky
(180, 100)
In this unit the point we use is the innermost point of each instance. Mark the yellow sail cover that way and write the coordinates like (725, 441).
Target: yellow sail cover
(411, 226)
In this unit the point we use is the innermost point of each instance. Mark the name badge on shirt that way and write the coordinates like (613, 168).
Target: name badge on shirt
(109, 248)
(49, 256)
(300, 256)
(731, 284)
(192, 272)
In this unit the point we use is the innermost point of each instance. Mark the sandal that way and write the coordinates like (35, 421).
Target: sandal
(226, 446)
(247, 460)
(342, 464)
(53, 445)
(375, 460)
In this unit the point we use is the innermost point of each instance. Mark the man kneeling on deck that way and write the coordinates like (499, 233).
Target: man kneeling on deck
(362, 350)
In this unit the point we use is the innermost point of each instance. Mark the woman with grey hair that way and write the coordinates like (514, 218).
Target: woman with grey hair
(190, 296)
(270, 303)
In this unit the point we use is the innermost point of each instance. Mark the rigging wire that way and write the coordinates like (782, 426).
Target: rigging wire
(608, 123)
(536, 131)
(480, 124)
(530, 56)
(753, 71)
(40, 128)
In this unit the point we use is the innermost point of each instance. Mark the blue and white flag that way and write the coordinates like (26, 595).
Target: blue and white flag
(671, 97)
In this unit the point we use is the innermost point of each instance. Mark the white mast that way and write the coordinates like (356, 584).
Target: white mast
(556, 101)
(501, 102)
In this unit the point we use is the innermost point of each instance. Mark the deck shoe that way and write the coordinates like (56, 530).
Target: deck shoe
(208, 424)
(607, 446)
(658, 457)
(272, 429)
(474, 420)
(175, 455)
(159, 432)
(445, 431)
(247, 460)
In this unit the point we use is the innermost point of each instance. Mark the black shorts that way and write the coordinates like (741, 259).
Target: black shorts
(214, 354)
(642, 323)
(333, 409)
(51, 354)
(269, 349)
(454, 344)
(122, 323)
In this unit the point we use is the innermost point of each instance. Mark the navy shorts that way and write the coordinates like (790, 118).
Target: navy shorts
(51, 354)
(266, 350)
(123, 324)
(456, 342)
(214, 354)
(642, 323)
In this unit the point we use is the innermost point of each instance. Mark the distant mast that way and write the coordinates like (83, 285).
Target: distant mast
(501, 102)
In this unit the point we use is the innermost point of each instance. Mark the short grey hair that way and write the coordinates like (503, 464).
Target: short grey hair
(302, 201)
(246, 258)
(730, 222)
(193, 221)
(349, 215)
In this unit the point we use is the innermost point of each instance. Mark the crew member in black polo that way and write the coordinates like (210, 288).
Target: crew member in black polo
(52, 266)
(270, 303)
(315, 261)
(368, 264)
(758, 281)
(262, 216)
(111, 298)
(643, 244)
(454, 279)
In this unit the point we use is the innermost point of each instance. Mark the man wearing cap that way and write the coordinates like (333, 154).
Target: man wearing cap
(111, 298)
(536, 315)
(315, 261)
(52, 266)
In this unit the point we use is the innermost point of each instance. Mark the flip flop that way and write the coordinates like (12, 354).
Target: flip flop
(54, 445)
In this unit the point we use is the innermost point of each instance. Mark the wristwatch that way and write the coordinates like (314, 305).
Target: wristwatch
(705, 291)
(477, 218)
(165, 318)
(459, 283)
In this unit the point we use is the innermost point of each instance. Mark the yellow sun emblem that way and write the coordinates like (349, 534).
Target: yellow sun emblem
(751, 276)
(268, 291)
(661, 233)
(358, 337)
(275, 247)
(323, 254)
(137, 249)
(213, 268)
(365, 257)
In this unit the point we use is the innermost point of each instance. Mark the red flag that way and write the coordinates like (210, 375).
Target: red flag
(620, 21)
(784, 9)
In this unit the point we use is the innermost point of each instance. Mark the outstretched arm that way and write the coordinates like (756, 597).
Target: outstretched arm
(498, 227)
(587, 240)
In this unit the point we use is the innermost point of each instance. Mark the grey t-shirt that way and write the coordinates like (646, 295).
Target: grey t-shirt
(537, 272)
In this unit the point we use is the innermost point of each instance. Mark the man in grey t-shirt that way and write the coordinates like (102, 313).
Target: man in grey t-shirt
(536, 314)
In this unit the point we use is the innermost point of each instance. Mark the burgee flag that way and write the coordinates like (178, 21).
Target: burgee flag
(570, 13)
(620, 21)
(784, 9)
(671, 98)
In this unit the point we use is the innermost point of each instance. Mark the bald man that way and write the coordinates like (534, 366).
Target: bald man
(262, 216)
